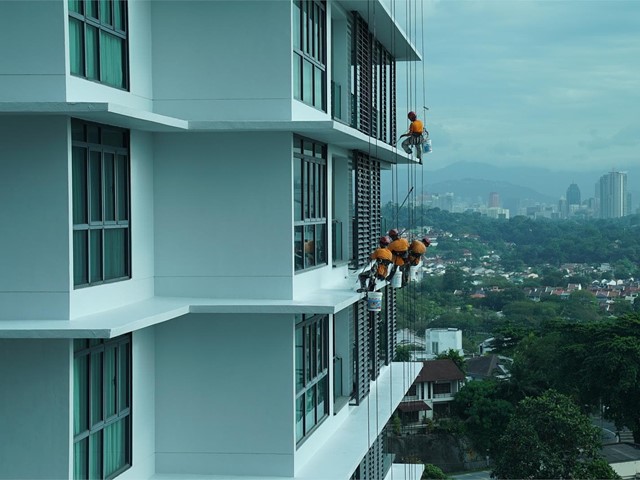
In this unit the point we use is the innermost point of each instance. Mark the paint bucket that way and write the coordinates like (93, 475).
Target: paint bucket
(374, 301)
(413, 273)
(396, 280)
(426, 146)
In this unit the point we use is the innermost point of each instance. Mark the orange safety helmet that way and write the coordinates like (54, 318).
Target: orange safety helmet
(412, 116)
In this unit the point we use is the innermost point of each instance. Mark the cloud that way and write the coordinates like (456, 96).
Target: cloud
(626, 137)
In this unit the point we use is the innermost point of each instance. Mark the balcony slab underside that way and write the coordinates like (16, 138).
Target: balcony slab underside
(155, 310)
(329, 131)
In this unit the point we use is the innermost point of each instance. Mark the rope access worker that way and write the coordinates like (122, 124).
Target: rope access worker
(400, 249)
(414, 135)
(382, 258)
(416, 250)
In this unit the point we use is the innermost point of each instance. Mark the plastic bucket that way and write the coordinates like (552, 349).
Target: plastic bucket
(374, 301)
(413, 273)
(426, 146)
(396, 280)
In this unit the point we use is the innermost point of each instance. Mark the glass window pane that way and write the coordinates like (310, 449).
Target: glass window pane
(118, 15)
(309, 246)
(93, 134)
(80, 394)
(92, 8)
(115, 253)
(79, 344)
(93, 55)
(318, 84)
(80, 262)
(122, 183)
(298, 242)
(307, 82)
(307, 354)
(96, 387)
(310, 417)
(299, 360)
(81, 459)
(95, 255)
(110, 405)
(95, 455)
(105, 12)
(115, 446)
(299, 418)
(321, 243)
(297, 189)
(297, 82)
(75, 6)
(296, 24)
(123, 376)
(79, 185)
(112, 55)
(114, 138)
(109, 187)
(76, 46)
(95, 192)
(321, 409)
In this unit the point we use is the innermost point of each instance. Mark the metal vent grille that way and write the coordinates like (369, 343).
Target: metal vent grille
(361, 360)
(367, 207)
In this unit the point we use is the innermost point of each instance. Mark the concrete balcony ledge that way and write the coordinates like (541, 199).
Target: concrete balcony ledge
(155, 310)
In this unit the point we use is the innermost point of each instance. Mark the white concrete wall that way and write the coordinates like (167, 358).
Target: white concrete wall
(143, 411)
(35, 213)
(32, 49)
(223, 215)
(223, 60)
(85, 301)
(35, 406)
(447, 339)
(219, 410)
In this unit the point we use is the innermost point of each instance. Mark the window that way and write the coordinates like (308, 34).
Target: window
(310, 203)
(101, 407)
(309, 47)
(441, 388)
(98, 41)
(312, 367)
(101, 237)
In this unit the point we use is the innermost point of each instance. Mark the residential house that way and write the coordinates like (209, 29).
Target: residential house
(489, 366)
(178, 175)
(441, 340)
(432, 392)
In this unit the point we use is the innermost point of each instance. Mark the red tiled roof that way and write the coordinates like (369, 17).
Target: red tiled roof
(435, 370)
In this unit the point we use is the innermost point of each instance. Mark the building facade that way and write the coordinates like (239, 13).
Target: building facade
(149, 150)
(614, 198)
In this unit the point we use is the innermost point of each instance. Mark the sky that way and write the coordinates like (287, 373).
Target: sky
(554, 84)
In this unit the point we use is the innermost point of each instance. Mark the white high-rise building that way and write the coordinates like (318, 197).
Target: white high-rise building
(186, 188)
(613, 194)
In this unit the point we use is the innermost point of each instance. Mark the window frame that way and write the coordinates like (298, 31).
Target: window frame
(122, 402)
(103, 27)
(110, 157)
(310, 51)
(310, 204)
(311, 371)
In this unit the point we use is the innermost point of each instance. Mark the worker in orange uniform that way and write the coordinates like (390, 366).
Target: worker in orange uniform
(400, 249)
(414, 135)
(382, 258)
(416, 250)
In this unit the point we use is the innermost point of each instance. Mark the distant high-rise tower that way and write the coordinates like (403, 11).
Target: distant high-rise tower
(494, 199)
(573, 195)
(614, 198)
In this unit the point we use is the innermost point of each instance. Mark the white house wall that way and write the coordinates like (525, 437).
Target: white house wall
(210, 395)
(32, 50)
(35, 403)
(226, 62)
(223, 215)
(86, 301)
(35, 211)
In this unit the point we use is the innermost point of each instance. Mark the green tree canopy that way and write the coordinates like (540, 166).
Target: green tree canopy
(548, 437)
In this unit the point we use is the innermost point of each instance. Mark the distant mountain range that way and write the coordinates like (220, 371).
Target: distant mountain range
(473, 181)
